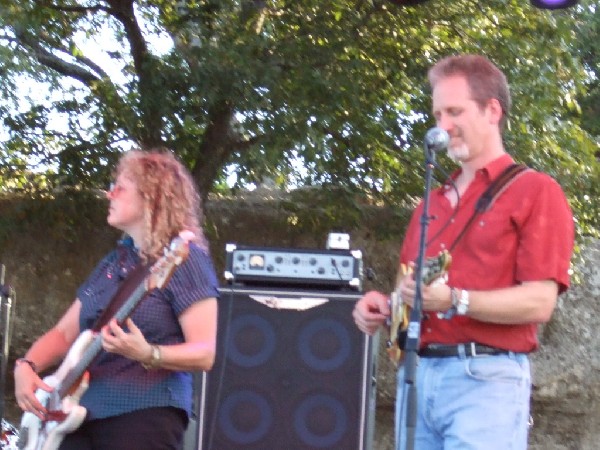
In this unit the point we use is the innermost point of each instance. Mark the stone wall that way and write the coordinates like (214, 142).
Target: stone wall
(47, 256)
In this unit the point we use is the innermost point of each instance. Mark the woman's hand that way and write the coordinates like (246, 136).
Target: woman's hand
(27, 382)
(131, 344)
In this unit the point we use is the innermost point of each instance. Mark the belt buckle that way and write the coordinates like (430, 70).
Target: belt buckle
(473, 349)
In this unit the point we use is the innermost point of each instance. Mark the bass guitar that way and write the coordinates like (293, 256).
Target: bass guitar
(434, 268)
(70, 380)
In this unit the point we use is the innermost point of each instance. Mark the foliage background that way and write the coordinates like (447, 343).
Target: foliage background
(285, 93)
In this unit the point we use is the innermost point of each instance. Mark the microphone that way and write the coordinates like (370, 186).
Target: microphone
(436, 139)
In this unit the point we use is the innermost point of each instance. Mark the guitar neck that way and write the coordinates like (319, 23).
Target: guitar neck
(95, 347)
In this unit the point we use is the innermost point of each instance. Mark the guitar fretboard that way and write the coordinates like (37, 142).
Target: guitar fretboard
(95, 347)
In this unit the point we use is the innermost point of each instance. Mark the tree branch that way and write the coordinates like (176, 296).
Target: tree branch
(216, 146)
(71, 8)
(150, 105)
(54, 62)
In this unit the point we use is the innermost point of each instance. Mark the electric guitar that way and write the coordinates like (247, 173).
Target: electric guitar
(434, 268)
(70, 380)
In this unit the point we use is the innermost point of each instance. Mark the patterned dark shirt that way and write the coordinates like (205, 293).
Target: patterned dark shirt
(119, 385)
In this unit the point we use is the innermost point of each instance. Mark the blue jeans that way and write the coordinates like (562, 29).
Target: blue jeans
(467, 403)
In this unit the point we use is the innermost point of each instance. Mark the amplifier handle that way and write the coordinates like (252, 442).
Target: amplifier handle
(296, 303)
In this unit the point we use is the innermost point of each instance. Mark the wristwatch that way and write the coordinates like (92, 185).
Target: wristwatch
(453, 307)
(463, 303)
(154, 358)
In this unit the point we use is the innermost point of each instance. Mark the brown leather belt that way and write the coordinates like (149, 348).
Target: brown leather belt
(470, 349)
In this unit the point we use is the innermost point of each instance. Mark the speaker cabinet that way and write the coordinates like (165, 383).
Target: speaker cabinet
(292, 372)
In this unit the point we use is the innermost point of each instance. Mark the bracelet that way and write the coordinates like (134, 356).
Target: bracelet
(154, 358)
(20, 361)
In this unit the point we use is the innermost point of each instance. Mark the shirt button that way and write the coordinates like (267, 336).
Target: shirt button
(428, 330)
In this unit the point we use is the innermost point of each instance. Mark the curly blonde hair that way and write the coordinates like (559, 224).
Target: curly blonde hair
(171, 200)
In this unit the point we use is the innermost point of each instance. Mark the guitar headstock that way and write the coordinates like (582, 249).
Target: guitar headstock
(162, 270)
(436, 266)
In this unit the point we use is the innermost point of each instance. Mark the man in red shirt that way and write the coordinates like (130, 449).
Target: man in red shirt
(508, 268)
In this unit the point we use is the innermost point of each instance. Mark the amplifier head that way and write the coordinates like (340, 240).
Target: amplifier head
(332, 268)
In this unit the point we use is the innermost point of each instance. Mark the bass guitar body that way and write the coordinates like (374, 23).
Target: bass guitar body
(64, 413)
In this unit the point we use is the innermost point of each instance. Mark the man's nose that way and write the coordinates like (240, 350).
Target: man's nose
(445, 123)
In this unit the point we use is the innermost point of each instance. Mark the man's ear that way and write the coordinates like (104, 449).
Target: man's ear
(494, 110)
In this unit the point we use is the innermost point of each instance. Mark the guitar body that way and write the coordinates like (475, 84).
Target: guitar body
(398, 325)
(434, 269)
(64, 414)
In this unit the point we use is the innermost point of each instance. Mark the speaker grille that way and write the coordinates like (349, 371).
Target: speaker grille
(287, 378)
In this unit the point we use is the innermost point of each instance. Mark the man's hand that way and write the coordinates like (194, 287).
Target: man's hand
(371, 311)
(436, 296)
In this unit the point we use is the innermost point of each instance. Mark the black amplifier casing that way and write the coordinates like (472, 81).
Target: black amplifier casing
(302, 268)
(292, 371)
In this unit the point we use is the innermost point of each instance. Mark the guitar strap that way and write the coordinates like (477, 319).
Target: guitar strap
(486, 200)
(133, 280)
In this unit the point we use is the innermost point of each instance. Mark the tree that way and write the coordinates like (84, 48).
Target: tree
(258, 85)
(586, 22)
(586, 48)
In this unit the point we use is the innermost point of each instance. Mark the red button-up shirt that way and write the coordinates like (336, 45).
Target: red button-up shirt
(526, 235)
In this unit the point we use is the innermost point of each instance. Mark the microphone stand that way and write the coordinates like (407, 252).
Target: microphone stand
(411, 346)
(6, 303)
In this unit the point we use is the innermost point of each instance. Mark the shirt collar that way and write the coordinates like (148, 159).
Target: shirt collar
(126, 241)
(490, 172)
(495, 168)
